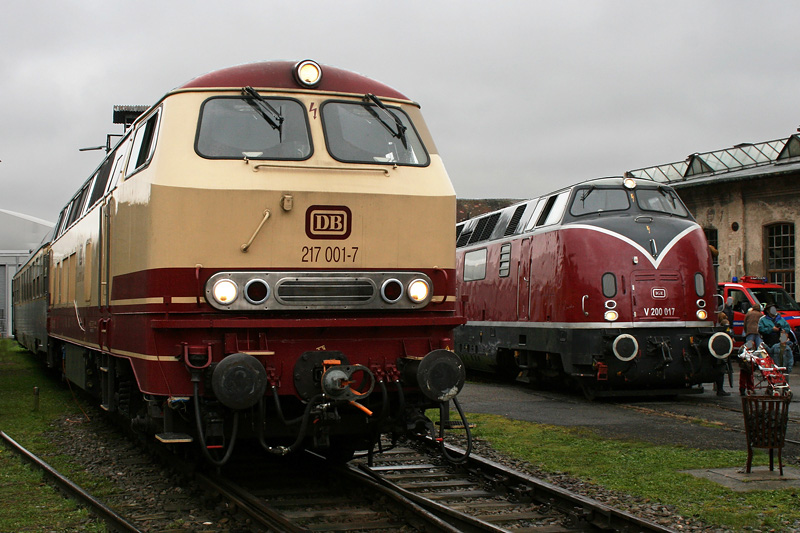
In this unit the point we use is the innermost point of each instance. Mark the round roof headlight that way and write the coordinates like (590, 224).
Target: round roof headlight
(308, 73)
(418, 290)
(225, 291)
(629, 183)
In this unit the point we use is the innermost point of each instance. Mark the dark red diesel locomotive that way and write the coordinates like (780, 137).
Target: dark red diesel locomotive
(608, 283)
(268, 253)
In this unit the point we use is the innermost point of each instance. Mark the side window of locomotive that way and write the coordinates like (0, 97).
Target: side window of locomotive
(591, 200)
(475, 265)
(144, 144)
(239, 128)
(119, 163)
(101, 180)
(366, 133)
(76, 206)
(553, 209)
(60, 224)
(535, 209)
(505, 260)
(662, 200)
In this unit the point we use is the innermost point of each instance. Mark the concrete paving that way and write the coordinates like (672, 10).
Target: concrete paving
(760, 478)
(703, 421)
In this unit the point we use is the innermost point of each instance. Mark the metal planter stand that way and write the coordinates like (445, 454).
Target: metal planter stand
(765, 421)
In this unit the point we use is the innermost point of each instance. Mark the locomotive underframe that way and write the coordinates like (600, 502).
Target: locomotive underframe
(291, 413)
(668, 360)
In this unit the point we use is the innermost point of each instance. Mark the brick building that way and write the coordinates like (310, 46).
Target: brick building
(747, 199)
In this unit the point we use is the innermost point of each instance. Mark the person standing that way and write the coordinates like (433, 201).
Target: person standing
(751, 320)
(719, 384)
(728, 310)
(774, 329)
(752, 338)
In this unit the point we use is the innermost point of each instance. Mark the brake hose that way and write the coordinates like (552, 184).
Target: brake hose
(447, 456)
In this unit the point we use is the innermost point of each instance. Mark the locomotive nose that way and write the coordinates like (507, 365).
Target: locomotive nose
(440, 375)
(239, 381)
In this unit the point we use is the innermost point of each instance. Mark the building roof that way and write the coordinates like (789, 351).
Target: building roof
(22, 233)
(743, 161)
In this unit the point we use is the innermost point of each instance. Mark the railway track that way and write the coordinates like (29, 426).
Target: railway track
(409, 488)
(114, 521)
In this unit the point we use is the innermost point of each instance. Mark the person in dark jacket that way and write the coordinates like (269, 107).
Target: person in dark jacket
(772, 328)
(722, 318)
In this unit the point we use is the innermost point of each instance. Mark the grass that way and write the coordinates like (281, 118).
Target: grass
(645, 471)
(634, 468)
(29, 503)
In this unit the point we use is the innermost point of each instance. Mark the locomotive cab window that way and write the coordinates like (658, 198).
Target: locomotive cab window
(662, 200)
(245, 127)
(594, 200)
(368, 133)
(475, 265)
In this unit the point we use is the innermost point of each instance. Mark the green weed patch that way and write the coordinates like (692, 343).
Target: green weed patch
(645, 471)
(29, 503)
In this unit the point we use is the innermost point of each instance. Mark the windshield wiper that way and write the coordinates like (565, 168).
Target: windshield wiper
(269, 113)
(401, 130)
(586, 193)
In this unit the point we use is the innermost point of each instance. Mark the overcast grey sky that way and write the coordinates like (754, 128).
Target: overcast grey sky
(522, 97)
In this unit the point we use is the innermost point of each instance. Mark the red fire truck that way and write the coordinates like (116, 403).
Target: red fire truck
(751, 291)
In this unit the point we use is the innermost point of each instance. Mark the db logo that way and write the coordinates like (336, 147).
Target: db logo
(659, 293)
(328, 222)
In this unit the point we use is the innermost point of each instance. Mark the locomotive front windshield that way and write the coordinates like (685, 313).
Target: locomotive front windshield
(661, 200)
(366, 133)
(243, 127)
(598, 200)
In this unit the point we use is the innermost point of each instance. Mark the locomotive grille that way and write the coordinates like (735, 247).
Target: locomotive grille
(298, 290)
(306, 291)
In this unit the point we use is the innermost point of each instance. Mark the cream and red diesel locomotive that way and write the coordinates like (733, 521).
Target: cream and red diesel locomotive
(268, 253)
(608, 284)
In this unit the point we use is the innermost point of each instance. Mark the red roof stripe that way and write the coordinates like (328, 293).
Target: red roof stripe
(278, 74)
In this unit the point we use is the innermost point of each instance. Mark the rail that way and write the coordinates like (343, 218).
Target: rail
(114, 521)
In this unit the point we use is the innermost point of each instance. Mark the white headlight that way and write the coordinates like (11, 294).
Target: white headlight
(418, 290)
(308, 73)
(611, 315)
(225, 291)
(702, 314)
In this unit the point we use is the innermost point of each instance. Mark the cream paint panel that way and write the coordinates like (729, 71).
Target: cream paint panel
(75, 281)
(187, 227)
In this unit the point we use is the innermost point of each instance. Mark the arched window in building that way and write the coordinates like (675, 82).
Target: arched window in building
(780, 255)
(713, 241)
